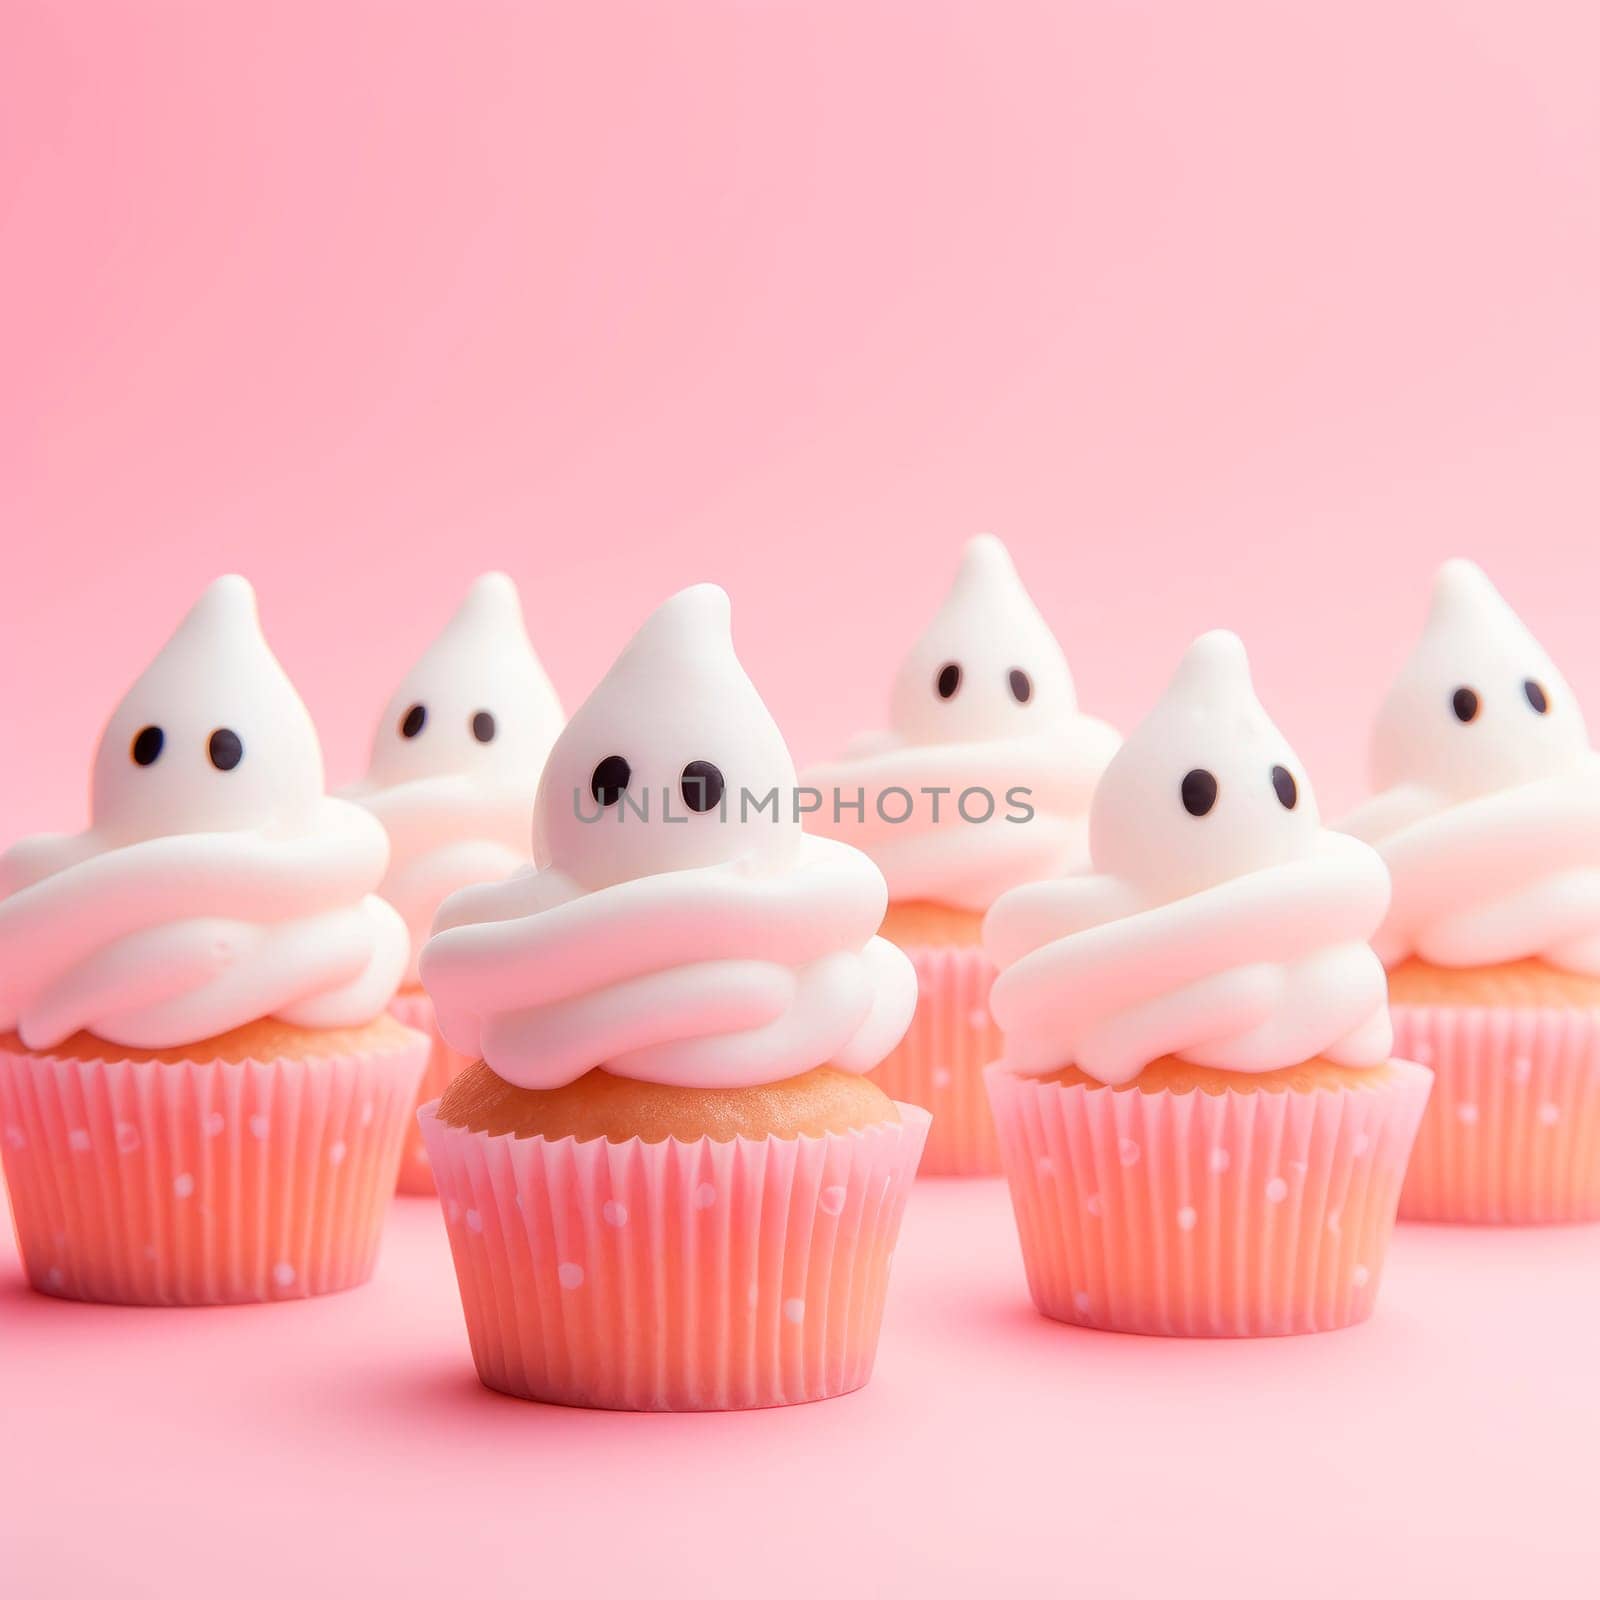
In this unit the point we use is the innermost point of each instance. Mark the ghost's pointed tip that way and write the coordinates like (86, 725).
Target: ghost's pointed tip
(1215, 660)
(226, 601)
(691, 618)
(984, 556)
(1461, 585)
(492, 598)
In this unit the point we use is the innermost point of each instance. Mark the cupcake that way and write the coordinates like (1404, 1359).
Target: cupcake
(455, 765)
(202, 1094)
(982, 783)
(1488, 815)
(1200, 1116)
(667, 1183)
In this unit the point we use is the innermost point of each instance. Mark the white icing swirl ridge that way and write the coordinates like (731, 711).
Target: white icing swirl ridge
(708, 977)
(1488, 813)
(444, 834)
(1506, 877)
(213, 889)
(1260, 972)
(939, 854)
(172, 940)
(1223, 925)
(983, 706)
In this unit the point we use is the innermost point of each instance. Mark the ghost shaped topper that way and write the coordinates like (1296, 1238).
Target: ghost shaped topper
(217, 883)
(477, 702)
(987, 666)
(1205, 789)
(1478, 706)
(1488, 802)
(1221, 923)
(678, 927)
(457, 756)
(986, 740)
(211, 736)
(667, 764)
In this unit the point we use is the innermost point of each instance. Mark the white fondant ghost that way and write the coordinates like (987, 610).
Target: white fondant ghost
(1478, 707)
(1222, 923)
(217, 883)
(677, 695)
(988, 666)
(482, 666)
(678, 927)
(1208, 737)
(215, 678)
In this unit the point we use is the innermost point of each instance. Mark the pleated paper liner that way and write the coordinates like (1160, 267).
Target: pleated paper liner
(415, 1009)
(203, 1183)
(674, 1276)
(1207, 1215)
(940, 1063)
(1512, 1133)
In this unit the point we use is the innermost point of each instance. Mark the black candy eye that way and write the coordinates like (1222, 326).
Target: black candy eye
(1021, 686)
(702, 786)
(1199, 792)
(147, 743)
(413, 722)
(483, 726)
(609, 779)
(949, 680)
(1287, 790)
(1464, 702)
(1537, 698)
(226, 749)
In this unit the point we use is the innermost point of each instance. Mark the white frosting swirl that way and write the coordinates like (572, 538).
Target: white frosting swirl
(457, 756)
(1488, 814)
(1224, 925)
(984, 702)
(217, 884)
(706, 949)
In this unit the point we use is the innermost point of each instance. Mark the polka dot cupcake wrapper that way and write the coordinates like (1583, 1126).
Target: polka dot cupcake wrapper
(202, 1183)
(1512, 1133)
(416, 1011)
(674, 1276)
(1228, 1215)
(940, 1062)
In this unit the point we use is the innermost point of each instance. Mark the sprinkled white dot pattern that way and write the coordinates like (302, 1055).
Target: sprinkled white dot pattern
(794, 1310)
(78, 1139)
(183, 1185)
(832, 1199)
(570, 1275)
(1277, 1190)
(705, 1197)
(1187, 1218)
(615, 1214)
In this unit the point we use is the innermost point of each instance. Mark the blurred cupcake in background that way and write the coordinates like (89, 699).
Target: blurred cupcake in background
(202, 1094)
(1201, 1121)
(667, 1182)
(455, 765)
(981, 783)
(1488, 815)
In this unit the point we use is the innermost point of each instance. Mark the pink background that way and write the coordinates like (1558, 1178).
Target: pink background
(1235, 314)
(1241, 314)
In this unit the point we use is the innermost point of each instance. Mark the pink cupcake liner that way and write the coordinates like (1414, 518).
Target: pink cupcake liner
(202, 1183)
(1512, 1132)
(416, 1011)
(674, 1276)
(1206, 1215)
(940, 1063)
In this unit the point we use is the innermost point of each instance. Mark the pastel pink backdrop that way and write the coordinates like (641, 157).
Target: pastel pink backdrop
(1240, 314)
